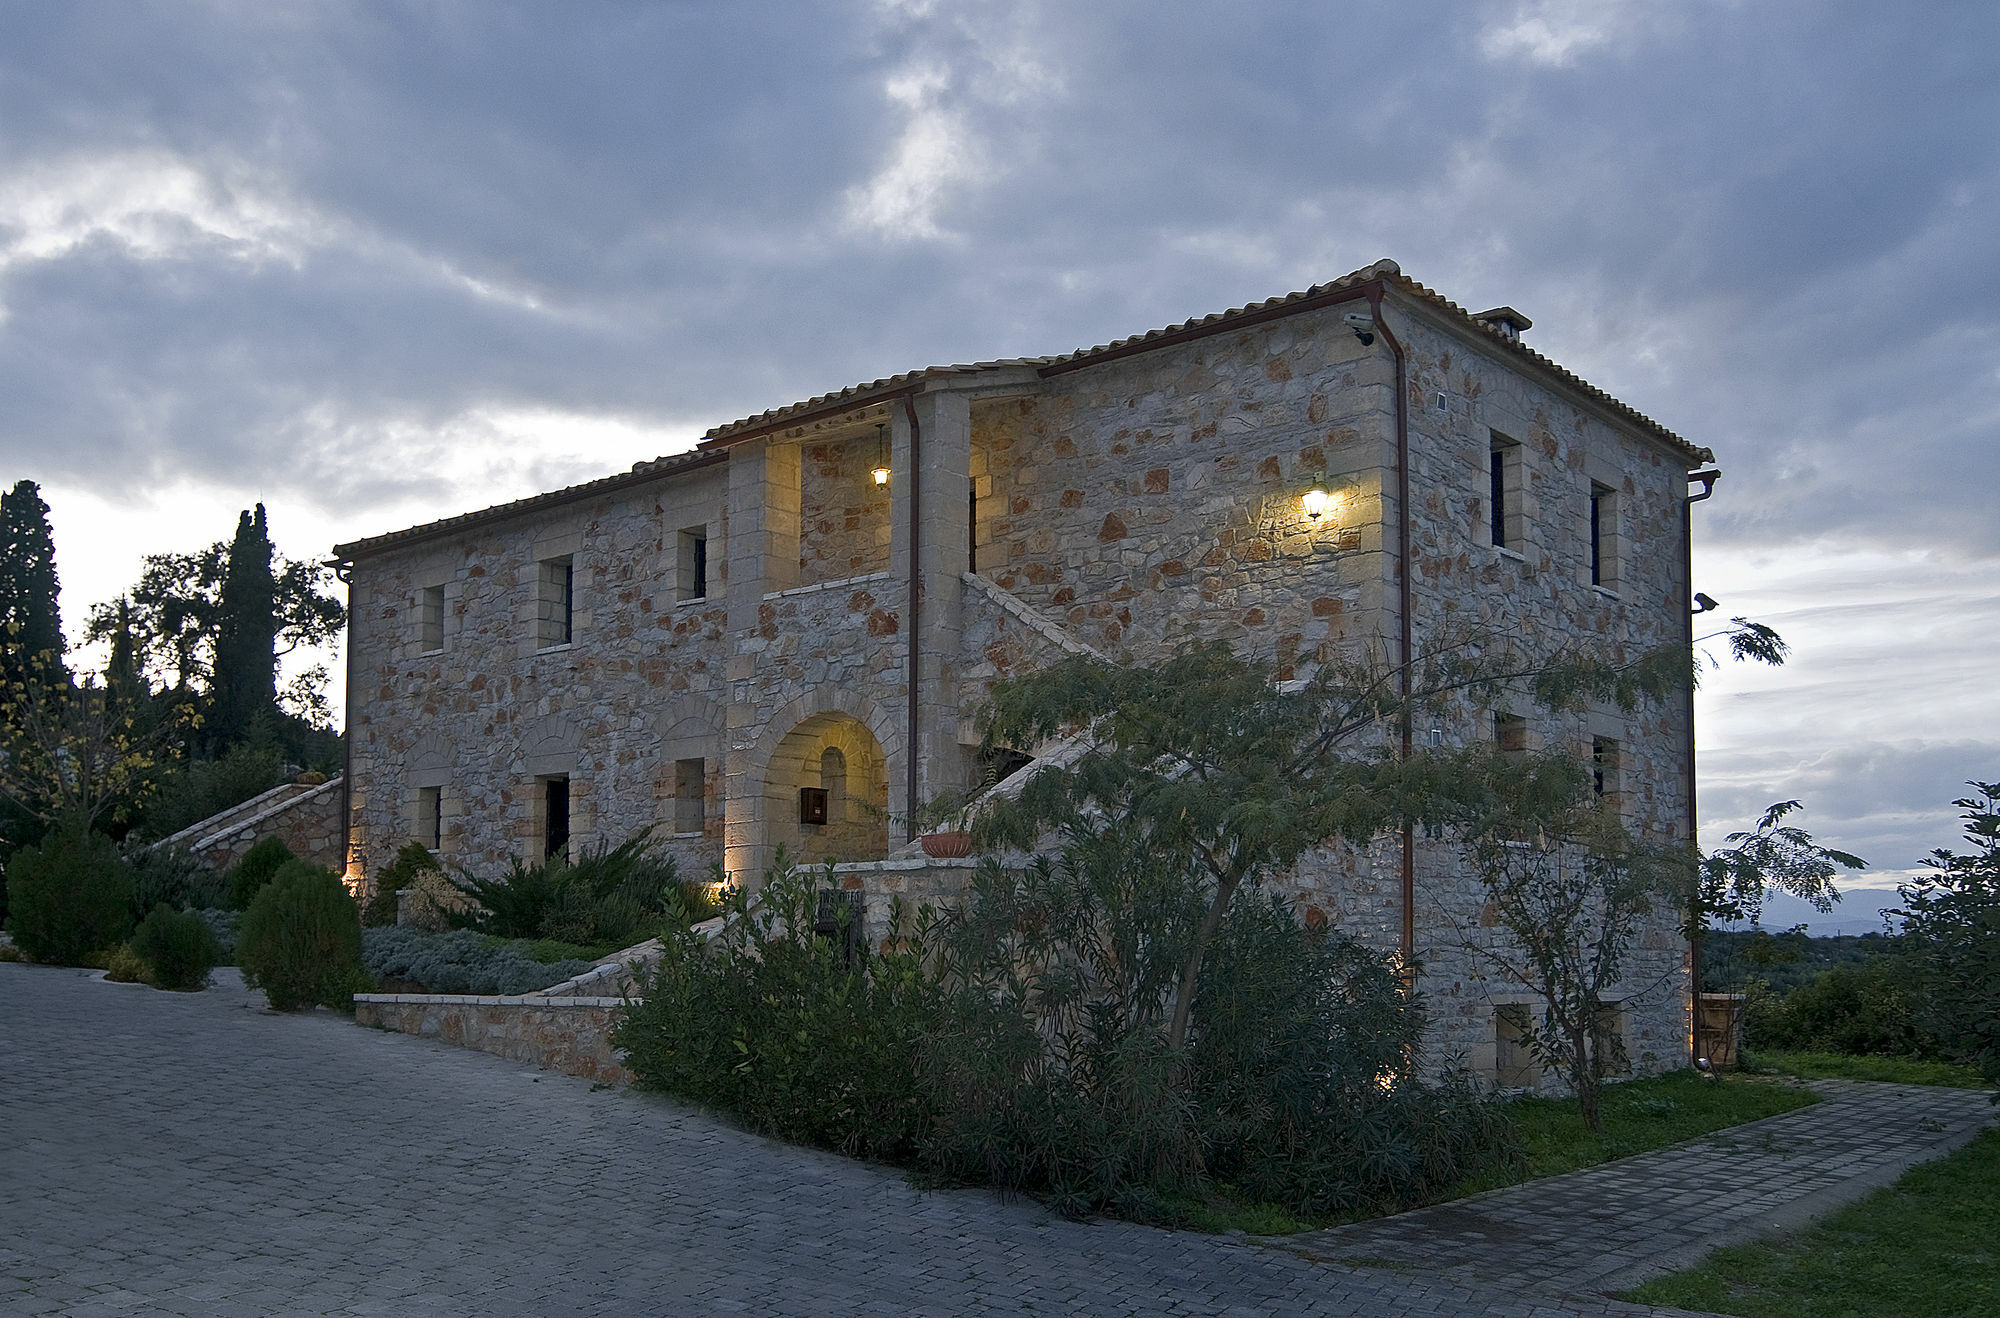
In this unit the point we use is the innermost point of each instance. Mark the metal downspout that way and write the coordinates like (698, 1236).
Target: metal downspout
(344, 572)
(1403, 605)
(915, 606)
(1708, 480)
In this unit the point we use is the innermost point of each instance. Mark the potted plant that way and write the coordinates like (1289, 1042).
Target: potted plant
(944, 825)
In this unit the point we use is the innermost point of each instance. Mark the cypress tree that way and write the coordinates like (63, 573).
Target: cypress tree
(31, 640)
(122, 680)
(246, 642)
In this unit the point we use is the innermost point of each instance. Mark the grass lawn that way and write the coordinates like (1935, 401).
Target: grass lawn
(1837, 1066)
(1926, 1247)
(1639, 1115)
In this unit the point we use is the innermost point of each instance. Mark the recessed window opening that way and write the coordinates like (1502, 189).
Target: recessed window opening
(1513, 1057)
(1503, 494)
(430, 817)
(430, 619)
(555, 818)
(555, 618)
(691, 564)
(1604, 766)
(1510, 733)
(1603, 536)
(690, 795)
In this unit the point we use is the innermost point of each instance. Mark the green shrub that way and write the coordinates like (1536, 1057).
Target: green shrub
(124, 965)
(412, 860)
(300, 941)
(250, 874)
(786, 1031)
(179, 946)
(1864, 1012)
(69, 896)
(460, 962)
(617, 895)
(174, 878)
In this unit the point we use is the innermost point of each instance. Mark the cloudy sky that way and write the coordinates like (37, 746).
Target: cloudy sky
(373, 264)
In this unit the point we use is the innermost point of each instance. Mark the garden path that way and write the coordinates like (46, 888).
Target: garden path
(195, 1154)
(1609, 1228)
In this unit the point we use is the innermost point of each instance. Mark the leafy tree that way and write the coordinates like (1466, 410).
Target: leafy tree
(1951, 922)
(1574, 889)
(1773, 857)
(72, 752)
(31, 640)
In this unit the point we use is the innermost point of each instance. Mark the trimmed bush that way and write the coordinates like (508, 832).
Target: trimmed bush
(300, 941)
(123, 965)
(255, 870)
(69, 897)
(460, 962)
(179, 946)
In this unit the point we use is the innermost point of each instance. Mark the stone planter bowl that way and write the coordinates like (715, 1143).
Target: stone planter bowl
(946, 846)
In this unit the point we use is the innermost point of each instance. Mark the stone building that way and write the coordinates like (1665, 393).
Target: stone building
(777, 637)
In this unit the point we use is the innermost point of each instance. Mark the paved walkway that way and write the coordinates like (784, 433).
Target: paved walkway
(193, 1154)
(1612, 1227)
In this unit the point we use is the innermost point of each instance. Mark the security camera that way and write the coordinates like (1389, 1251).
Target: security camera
(1363, 326)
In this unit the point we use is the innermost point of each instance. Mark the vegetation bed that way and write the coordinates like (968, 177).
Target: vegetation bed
(1925, 1247)
(1841, 1066)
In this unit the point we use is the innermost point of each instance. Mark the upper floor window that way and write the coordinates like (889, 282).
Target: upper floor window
(1503, 495)
(1603, 536)
(430, 619)
(555, 600)
(691, 564)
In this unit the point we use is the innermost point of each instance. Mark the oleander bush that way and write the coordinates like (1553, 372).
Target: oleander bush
(259, 864)
(1020, 1040)
(300, 941)
(179, 946)
(69, 896)
(461, 961)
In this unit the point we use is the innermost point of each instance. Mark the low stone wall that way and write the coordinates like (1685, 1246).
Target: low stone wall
(570, 1035)
(918, 882)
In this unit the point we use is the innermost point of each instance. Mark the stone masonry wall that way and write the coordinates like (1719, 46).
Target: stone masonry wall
(306, 817)
(570, 1035)
(639, 687)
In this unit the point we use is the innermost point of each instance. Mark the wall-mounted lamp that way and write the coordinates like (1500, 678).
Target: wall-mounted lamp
(881, 469)
(1317, 502)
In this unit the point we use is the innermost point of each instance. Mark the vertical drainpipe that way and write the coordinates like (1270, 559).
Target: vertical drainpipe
(1403, 607)
(916, 597)
(344, 572)
(1708, 480)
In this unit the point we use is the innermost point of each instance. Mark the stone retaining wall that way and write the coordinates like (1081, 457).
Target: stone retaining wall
(306, 816)
(570, 1035)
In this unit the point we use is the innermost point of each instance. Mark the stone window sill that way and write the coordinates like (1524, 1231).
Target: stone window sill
(1607, 592)
(844, 583)
(557, 649)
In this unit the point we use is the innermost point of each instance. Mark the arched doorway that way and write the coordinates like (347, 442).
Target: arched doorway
(827, 791)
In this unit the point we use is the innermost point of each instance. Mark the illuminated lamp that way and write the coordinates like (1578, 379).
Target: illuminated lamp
(1317, 501)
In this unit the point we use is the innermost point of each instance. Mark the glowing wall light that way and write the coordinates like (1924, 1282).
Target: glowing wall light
(1317, 502)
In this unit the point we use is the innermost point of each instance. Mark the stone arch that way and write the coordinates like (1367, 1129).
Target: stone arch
(857, 825)
(690, 728)
(552, 746)
(428, 761)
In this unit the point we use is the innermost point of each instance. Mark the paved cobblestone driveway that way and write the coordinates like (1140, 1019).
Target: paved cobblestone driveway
(162, 1153)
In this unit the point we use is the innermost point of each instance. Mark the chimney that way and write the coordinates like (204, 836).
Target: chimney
(1507, 320)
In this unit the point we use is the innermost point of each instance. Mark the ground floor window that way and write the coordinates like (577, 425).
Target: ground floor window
(555, 817)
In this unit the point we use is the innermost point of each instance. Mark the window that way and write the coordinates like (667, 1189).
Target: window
(691, 564)
(430, 817)
(1603, 536)
(833, 781)
(1503, 496)
(1513, 1059)
(1604, 767)
(1608, 1027)
(1510, 733)
(690, 796)
(555, 817)
(555, 600)
(430, 619)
